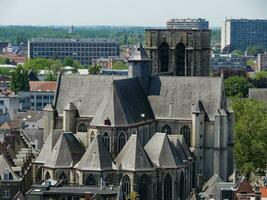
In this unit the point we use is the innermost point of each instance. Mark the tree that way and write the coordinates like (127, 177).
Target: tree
(255, 50)
(237, 53)
(237, 86)
(4, 60)
(260, 75)
(250, 135)
(19, 79)
(38, 64)
(68, 62)
(94, 69)
(120, 65)
(50, 77)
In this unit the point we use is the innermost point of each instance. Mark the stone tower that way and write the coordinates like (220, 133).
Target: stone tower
(179, 52)
(140, 66)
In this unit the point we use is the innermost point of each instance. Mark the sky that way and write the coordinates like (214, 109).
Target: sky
(125, 12)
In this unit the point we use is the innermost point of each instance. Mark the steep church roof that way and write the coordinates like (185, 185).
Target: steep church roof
(48, 146)
(173, 96)
(123, 104)
(163, 153)
(139, 54)
(133, 157)
(66, 153)
(86, 92)
(183, 150)
(96, 157)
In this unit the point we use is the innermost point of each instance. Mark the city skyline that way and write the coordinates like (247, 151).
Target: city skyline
(142, 13)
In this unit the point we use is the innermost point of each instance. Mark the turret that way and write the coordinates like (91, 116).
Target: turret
(140, 66)
(69, 115)
(49, 120)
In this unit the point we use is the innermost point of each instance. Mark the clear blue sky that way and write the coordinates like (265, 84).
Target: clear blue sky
(125, 12)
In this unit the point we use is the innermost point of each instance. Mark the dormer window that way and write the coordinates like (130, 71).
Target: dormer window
(107, 122)
(7, 176)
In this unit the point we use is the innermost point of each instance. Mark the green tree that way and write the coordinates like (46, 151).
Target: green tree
(50, 76)
(255, 50)
(237, 53)
(237, 86)
(120, 65)
(68, 62)
(19, 79)
(261, 75)
(5, 71)
(94, 69)
(4, 60)
(250, 135)
(38, 64)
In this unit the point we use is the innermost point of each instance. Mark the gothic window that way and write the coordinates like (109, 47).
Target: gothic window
(82, 127)
(47, 176)
(92, 136)
(106, 140)
(63, 177)
(186, 132)
(168, 187)
(126, 186)
(166, 129)
(122, 141)
(91, 180)
(182, 186)
(143, 185)
(180, 59)
(164, 57)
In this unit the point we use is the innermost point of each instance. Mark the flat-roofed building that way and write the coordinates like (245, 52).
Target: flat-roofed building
(82, 50)
(188, 23)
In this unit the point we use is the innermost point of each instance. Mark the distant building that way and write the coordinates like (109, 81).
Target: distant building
(9, 106)
(220, 61)
(83, 50)
(3, 45)
(4, 83)
(188, 23)
(262, 62)
(40, 94)
(114, 72)
(242, 33)
(107, 63)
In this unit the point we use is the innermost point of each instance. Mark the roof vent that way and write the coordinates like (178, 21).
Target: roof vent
(107, 122)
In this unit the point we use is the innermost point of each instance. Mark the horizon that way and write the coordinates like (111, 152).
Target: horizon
(99, 13)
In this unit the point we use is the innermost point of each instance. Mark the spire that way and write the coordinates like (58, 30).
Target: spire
(139, 54)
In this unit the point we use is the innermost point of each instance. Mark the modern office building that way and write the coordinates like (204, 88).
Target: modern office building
(222, 61)
(242, 33)
(188, 23)
(83, 50)
(40, 94)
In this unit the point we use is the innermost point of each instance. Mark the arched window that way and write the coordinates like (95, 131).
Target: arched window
(106, 140)
(143, 187)
(82, 127)
(166, 129)
(180, 59)
(182, 186)
(164, 57)
(91, 180)
(63, 177)
(186, 132)
(92, 136)
(47, 176)
(168, 187)
(126, 186)
(122, 141)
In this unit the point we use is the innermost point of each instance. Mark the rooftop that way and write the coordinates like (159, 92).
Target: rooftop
(83, 40)
(43, 86)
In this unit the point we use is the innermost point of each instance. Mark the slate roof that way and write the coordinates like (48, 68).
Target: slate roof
(133, 157)
(5, 165)
(86, 92)
(174, 96)
(66, 153)
(124, 103)
(179, 142)
(214, 179)
(163, 153)
(139, 54)
(48, 146)
(96, 157)
(258, 94)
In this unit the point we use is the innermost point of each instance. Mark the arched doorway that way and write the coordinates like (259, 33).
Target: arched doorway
(144, 187)
(166, 129)
(126, 186)
(182, 186)
(168, 187)
(180, 59)
(164, 57)
(63, 177)
(186, 132)
(38, 176)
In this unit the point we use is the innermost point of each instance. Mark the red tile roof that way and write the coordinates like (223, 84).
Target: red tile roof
(42, 85)
(263, 191)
